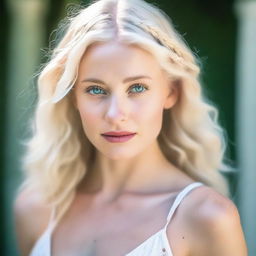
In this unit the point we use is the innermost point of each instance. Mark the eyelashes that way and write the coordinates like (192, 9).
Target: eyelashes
(134, 89)
(95, 90)
(141, 87)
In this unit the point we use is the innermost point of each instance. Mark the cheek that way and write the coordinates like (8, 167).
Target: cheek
(89, 116)
(150, 115)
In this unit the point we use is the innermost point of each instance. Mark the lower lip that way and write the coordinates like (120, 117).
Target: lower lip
(117, 139)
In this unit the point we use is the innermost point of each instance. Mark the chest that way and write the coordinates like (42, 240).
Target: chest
(109, 231)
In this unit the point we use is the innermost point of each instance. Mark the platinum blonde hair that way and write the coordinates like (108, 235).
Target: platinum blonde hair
(58, 153)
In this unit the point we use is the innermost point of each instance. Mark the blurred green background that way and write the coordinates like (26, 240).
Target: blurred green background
(211, 28)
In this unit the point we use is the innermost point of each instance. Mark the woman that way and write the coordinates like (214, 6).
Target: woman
(125, 153)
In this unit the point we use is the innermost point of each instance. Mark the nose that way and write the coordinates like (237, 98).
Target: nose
(116, 110)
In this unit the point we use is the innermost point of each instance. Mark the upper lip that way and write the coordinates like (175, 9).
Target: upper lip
(121, 133)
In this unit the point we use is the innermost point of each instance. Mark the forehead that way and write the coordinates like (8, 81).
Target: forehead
(120, 58)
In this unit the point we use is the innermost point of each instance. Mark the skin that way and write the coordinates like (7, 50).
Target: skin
(119, 106)
(131, 180)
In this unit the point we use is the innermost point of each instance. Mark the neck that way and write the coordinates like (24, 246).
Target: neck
(109, 179)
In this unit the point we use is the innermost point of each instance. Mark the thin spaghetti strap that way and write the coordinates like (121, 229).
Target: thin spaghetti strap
(179, 198)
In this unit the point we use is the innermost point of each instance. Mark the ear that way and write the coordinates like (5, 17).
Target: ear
(172, 97)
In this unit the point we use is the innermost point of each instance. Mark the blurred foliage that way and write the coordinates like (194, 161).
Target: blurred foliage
(3, 91)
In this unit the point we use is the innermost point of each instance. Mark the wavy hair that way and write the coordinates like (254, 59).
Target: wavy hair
(58, 153)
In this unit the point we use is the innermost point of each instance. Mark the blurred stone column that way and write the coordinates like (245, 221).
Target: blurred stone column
(246, 118)
(25, 39)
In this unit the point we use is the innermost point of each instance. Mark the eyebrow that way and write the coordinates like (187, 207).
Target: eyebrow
(126, 80)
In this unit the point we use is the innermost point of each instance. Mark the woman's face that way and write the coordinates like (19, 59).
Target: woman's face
(121, 88)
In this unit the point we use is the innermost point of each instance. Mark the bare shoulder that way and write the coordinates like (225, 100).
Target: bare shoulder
(213, 224)
(31, 219)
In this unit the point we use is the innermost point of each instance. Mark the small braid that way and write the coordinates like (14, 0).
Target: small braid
(183, 56)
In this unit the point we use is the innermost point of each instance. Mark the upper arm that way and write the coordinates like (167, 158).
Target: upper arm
(31, 218)
(217, 228)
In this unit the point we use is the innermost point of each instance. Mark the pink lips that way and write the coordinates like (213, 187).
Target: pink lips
(116, 137)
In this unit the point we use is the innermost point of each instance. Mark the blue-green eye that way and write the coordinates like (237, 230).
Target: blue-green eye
(134, 89)
(138, 88)
(95, 90)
